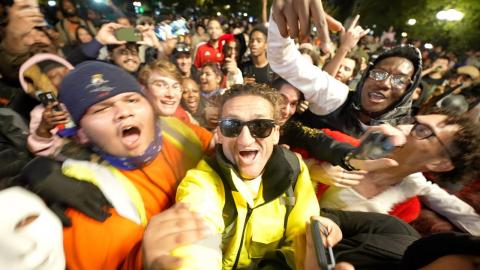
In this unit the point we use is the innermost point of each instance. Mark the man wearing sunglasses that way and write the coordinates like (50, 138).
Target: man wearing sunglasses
(251, 175)
(383, 95)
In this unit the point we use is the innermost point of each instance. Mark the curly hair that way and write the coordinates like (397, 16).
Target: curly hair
(466, 148)
(164, 67)
(261, 90)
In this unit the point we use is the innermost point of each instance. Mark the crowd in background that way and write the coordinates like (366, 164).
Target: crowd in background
(188, 68)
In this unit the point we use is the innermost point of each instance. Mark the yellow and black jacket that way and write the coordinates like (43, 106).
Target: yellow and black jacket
(258, 236)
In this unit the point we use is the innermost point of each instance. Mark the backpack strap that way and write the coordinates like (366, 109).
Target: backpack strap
(290, 198)
(229, 210)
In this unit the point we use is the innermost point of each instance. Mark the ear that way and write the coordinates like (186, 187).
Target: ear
(218, 135)
(82, 136)
(440, 165)
(276, 134)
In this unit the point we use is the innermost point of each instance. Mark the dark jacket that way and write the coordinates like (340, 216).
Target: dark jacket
(318, 144)
(345, 118)
(13, 144)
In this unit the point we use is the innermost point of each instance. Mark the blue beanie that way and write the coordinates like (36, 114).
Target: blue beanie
(92, 82)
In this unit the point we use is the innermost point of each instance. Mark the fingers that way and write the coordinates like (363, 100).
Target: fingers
(94, 209)
(333, 24)
(348, 179)
(172, 228)
(165, 262)
(365, 32)
(279, 17)
(320, 21)
(373, 165)
(302, 8)
(396, 136)
(292, 20)
(330, 231)
(354, 22)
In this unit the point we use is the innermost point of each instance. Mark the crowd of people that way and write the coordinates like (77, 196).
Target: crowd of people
(137, 142)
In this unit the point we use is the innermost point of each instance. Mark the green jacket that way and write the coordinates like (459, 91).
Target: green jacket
(258, 232)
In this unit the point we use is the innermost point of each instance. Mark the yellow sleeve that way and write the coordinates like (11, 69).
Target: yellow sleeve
(203, 191)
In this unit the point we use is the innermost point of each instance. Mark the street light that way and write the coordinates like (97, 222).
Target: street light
(411, 21)
(450, 15)
(404, 34)
(428, 46)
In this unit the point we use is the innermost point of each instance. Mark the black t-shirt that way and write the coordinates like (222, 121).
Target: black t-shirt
(261, 75)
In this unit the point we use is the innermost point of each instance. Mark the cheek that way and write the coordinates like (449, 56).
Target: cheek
(397, 94)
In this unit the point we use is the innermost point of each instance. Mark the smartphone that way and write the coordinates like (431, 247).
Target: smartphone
(375, 145)
(48, 98)
(325, 258)
(128, 34)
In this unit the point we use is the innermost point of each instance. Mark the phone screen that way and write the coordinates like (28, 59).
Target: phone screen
(48, 98)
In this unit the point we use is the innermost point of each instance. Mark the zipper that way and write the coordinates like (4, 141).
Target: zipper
(249, 213)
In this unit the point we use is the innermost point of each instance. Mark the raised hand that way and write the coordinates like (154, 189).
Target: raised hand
(168, 230)
(350, 37)
(293, 19)
(106, 34)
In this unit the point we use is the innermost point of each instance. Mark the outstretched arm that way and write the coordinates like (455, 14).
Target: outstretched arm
(322, 91)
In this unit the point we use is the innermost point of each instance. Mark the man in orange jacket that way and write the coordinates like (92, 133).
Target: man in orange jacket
(144, 159)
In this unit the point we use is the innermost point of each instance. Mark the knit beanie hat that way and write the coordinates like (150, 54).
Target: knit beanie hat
(92, 82)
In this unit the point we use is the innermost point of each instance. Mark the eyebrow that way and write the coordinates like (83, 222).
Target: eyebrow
(383, 69)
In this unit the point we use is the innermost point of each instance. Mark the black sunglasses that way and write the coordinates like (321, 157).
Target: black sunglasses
(259, 128)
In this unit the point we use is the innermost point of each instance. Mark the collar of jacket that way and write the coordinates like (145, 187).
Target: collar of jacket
(277, 176)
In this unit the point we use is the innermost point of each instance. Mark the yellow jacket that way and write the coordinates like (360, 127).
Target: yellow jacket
(261, 222)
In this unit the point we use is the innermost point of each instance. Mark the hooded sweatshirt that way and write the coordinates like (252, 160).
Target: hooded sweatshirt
(332, 105)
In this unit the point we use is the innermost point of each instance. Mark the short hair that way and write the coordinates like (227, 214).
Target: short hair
(358, 63)
(162, 66)
(254, 89)
(259, 28)
(279, 82)
(465, 148)
(315, 57)
(217, 69)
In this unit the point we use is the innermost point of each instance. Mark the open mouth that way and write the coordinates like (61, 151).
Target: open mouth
(130, 136)
(376, 97)
(248, 156)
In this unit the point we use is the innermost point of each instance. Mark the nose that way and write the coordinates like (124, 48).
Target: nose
(287, 111)
(385, 84)
(122, 112)
(169, 91)
(245, 138)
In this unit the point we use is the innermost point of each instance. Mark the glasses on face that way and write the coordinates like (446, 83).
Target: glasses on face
(397, 80)
(259, 128)
(164, 86)
(422, 131)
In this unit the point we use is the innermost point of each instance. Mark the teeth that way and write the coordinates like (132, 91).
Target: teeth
(377, 95)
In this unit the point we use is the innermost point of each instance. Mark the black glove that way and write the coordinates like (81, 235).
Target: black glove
(44, 177)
